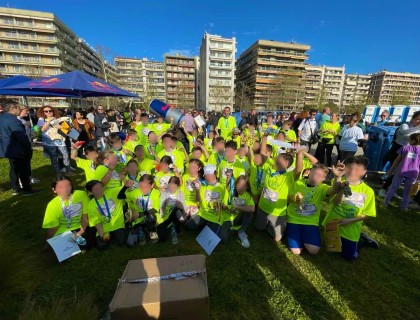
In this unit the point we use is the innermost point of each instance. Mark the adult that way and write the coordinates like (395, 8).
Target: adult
(84, 127)
(226, 124)
(281, 118)
(101, 125)
(252, 118)
(16, 146)
(383, 118)
(26, 121)
(328, 132)
(243, 121)
(292, 117)
(52, 140)
(325, 116)
(113, 120)
(307, 130)
(91, 114)
(212, 120)
(188, 121)
(349, 138)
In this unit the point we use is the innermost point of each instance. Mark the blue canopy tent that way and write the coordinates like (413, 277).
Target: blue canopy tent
(75, 84)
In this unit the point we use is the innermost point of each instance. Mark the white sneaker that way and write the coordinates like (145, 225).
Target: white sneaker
(35, 180)
(244, 239)
(382, 193)
(153, 237)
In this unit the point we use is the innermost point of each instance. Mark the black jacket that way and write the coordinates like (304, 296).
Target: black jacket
(100, 125)
(14, 142)
(252, 119)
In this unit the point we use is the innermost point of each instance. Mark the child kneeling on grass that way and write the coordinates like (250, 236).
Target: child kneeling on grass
(305, 202)
(68, 212)
(353, 203)
(106, 214)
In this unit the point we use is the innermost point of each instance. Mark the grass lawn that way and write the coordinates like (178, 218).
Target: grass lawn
(264, 282)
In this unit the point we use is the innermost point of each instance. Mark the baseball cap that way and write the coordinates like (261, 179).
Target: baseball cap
(209, 169)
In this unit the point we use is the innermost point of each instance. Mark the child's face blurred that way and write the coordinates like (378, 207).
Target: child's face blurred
(164, 167)
(139, 153)
(153, 138)
(132, 169)
(258, 159)
(117, 145)
(159, 120)
(92, 155)
(145, 187)
(316, 177)
(145, 121)
(137, 118)
(220, 146)
(196, 154)
(210, 178)
(211, 135)
(193, 169)
(167, 143)
(98, 190)
(286, 126)
(172, 187)
(280, 137)
(230, 153)
(194, 132)
(241, 152)
(281, 163)
(256, 146)
(63, 188)
(241, 186)
(354, 172)
(134, 137)
(112, 159)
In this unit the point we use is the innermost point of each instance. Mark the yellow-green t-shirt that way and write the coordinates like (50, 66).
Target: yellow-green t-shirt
(273, 199)
(130, 145)
(215, 158)
(208, 144)
(265, 127)
(140, 203)
(122, 160)
(210, 195)
(244, 199)
(290, 135)
(237, 139)
(251, 138)
(361, 202)
(146, 166)
(162, 179)
(160, 128)
(66, 215)
(177, 156)
(190, 193)
(112, 220)
(148, 148)
(191, 140)
(226, 126)
(311, 203)
(327, 125)
(113, 182)
(88, 167)
(257, 177)
(143, 133)
(244, 162)
(236, 167)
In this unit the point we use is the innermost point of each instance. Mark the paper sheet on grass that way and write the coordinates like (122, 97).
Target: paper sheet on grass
(63, 245)
(208, 240)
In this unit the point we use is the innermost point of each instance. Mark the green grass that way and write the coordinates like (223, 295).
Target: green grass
(264, 282)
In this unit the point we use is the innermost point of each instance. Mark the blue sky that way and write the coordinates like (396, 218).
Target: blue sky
(365, 36)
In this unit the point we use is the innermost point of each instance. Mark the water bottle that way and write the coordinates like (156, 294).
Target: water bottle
(174, 235)
(79, 239)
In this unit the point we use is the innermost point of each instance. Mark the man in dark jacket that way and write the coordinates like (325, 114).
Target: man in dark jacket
(101, 124)
(253, 118)
(15, 146)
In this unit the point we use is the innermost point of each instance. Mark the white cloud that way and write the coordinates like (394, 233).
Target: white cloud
(212, 24)
(250, 33)
(234, 33)
(184, 52)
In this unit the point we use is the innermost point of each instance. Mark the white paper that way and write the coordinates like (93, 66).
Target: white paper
(199, 121)
(63, 246)
(282, 144)
(208, 240)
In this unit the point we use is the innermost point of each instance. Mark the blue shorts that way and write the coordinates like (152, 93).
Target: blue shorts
(349, 249)
(300, 234)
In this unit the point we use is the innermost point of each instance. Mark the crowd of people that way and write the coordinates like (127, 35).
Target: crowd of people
(150, 180)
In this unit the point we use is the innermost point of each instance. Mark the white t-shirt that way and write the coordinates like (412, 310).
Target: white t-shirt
(305, 128)
(349, 138)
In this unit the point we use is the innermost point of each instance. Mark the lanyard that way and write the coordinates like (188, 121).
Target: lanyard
(260, 173)
(66, 212)
(219, 158)
(307, 196)
(131, 178)
(144, 204)
(108, 213)
(231, 189)
(226, 123)
(277, 173)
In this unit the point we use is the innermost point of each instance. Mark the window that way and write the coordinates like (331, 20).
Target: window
(11, 34)
(13, 45)
(24, 46)
(35, 47)
(37, 58)
(17, 68)
(8, 21)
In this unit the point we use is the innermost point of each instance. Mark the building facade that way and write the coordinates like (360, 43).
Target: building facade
(356, 90)
(272, 75)
(390, 88)
(142, 76)
(217, 72)
(180, 80)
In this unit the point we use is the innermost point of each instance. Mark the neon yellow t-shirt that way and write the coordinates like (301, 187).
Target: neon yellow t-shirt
(115, 220)
(244, 162)
(162, 179)
(146, 166)
(327, 125)
(251, 138)
(361, 202)
(130, 145)
(237, 139)
(143, 132)
(210, 196)
(177, 156)
(191, 140)
(88, 167)
(215, 158)
(160, 128)
(226, 126)
(122, 160)
(139, 203)
(208, 144)
(236, 166)
(311, 203)
(148, 149)
(66, 215)
(265, 127)
(187, 187)
(113, 182)
(257, 177)
(244, 199)
(273, 199)
(290, 135)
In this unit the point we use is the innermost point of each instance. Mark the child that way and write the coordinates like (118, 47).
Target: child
(169, 150)
(143, 128)
(242, 157)
(305, 203)
(211, 197)
(352, 204)
(88, 165)
(208, 142)
(166, 171)
(199, 153)
(133, 174)
(257, 172)
(161, 127)
(132, 141)
(405, 169)
(144, 203)
(271, 211)
(218, 152)
(230, 166)
(270, 127)
(242, 206)
(290, 134)
(106, 214)
(116, 146)
(146, 165)
(190, 185)
(105, 172)
(153, 147)
(236, 137)
(68, 211)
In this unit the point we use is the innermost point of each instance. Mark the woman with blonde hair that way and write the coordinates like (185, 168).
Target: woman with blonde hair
(52, 140)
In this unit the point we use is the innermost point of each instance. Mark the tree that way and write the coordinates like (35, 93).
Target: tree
(402, 95)
(242, 97)
(105, 56)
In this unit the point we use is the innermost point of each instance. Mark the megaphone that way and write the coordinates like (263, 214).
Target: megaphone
(161, 108)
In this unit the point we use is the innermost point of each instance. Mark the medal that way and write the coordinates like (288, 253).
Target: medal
(66, 211)
(108, 213)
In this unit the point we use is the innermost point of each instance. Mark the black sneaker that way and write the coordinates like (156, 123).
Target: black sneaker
(30, 193)
(369, 241)
(16, 192)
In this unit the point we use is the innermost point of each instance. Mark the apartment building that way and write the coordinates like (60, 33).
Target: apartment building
(314, 76)
(142, 76)
(356, 90)
(217, 72)
(180, 79)
(395, 88)
(273, 74)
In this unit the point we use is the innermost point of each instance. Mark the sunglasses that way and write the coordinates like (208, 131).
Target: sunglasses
(383, 115)
(48, 111)
(100, 109)
(313, 114)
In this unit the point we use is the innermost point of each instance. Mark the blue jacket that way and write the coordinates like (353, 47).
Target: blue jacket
(14, 142)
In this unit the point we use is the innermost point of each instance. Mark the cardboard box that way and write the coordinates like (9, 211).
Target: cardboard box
(162, 288)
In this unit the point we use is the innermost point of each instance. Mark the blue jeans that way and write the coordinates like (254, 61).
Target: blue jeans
(52, 152)
(396, 182)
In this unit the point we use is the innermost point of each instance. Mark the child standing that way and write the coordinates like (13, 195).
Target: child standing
(405, 170)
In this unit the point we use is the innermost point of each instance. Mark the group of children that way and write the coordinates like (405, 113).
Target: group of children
(152, 188)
